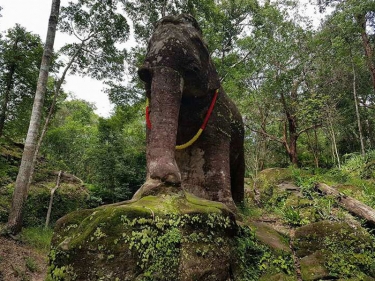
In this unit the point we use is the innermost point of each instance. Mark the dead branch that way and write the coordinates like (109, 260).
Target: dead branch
(51, 199)
(350, 204)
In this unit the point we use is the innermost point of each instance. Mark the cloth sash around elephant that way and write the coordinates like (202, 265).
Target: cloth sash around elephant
(181, 82)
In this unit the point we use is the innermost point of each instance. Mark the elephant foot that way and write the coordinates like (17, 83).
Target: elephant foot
(156, 187)
(165, 170)
(231, 205)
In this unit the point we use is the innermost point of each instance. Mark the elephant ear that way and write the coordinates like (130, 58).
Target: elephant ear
(213, 77)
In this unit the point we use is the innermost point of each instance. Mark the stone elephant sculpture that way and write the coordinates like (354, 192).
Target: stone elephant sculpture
(181, 85)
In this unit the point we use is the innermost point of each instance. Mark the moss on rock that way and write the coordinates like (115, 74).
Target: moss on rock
(315, 236)
(336, 250)
(270, 237)
(268, 179)
(165, 237)
(312, 267)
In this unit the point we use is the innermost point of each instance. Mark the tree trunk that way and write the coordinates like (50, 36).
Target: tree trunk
(333, 136)
(8, 89)
(20, 193)
(51, 199)
(334, 143)
(293, 150)
(357, 111)
(313, 146)
(50, 112)
(4, 103)
(361, 19)
(291, 146)
(164, 9)
(290, 133)
(350, 204)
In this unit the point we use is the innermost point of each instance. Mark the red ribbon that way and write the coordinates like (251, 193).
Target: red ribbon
(210, 109)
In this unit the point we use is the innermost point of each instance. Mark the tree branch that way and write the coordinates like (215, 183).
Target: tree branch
(262, 132)
(315, 126)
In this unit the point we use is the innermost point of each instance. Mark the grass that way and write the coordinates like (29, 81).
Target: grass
(31, 264)
(38, 238)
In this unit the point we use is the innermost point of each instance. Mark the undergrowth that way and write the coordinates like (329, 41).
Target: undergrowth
(37, 237)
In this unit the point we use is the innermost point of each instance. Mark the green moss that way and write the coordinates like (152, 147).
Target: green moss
(344, 251)
(257, 261)
(155, 235)
(268, 179)
(270, 237)
(312, 267)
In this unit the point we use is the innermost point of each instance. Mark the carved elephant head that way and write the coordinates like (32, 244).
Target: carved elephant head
(177, 44)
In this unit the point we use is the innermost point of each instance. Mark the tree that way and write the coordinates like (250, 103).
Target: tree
(108, 154)
(120, 154)
(349, 33)
(20, 56)
(14, 224)
(276, 75)
(99, 28)
(71, 137)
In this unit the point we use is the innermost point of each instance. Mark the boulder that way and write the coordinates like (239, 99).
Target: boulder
(168, 236)
(333, 250)
(267, 235)
(267, 183)
(312, 267)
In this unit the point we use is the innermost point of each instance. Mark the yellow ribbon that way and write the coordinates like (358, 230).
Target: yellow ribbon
(197, 135)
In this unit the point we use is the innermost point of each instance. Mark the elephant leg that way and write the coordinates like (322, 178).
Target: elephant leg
(166, 91)
(217, 169)
(237, 172)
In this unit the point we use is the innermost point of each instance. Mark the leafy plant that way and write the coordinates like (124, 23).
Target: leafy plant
(292, 216)
(31, 264)
(352, 257)
(250, 254)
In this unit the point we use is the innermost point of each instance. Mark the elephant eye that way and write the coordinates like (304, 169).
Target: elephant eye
(192, 66)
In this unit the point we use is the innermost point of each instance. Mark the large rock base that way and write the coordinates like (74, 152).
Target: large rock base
(164, 237)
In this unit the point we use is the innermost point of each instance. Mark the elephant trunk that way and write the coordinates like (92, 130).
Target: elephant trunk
(166, 92)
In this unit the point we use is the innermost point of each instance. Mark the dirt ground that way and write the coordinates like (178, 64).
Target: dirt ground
(19, 262)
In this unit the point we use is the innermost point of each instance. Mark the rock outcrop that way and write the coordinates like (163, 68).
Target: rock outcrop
(171, 236)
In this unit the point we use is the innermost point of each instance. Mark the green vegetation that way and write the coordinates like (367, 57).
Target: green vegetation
(328, 241)
(256, 259)
(31, 265)
(37, 237)
(155, 234)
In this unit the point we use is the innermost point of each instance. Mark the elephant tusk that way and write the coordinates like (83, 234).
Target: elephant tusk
(190, 142)
(197, 135)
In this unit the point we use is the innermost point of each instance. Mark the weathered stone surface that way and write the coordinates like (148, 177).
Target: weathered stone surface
(270, 237)
(329, 250)
(313, 237)
(181, 83)
(165, 237)
(267, 183)
(312, 267)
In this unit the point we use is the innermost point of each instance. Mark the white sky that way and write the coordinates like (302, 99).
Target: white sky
(33, 15)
